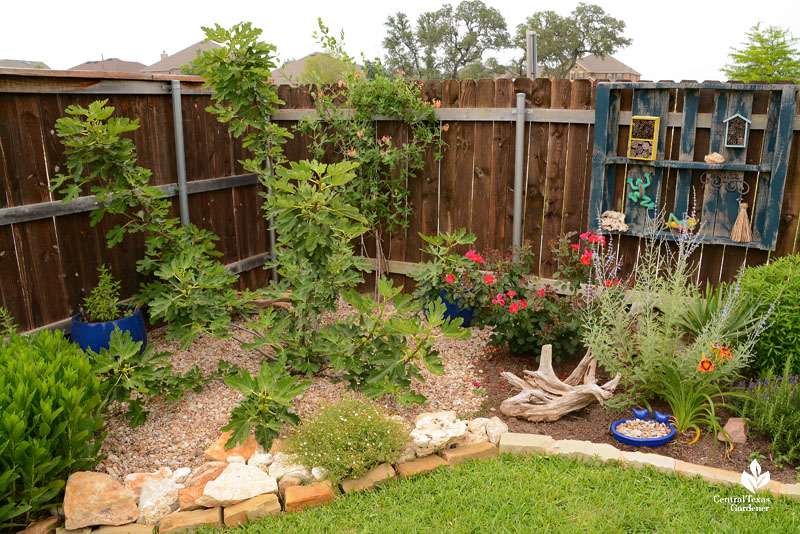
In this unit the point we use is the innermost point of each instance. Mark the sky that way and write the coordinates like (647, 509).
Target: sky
(674, 40)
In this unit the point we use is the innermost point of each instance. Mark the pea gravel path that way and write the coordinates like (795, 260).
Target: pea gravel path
(176, 433)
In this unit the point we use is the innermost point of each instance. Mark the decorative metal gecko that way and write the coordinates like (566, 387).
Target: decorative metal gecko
(639, 187)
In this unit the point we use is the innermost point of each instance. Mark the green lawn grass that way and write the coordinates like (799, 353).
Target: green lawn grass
(537, 494)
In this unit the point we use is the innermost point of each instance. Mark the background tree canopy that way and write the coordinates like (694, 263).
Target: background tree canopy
(564, 40)
(444, 41)
(323, 69)
(767, 55)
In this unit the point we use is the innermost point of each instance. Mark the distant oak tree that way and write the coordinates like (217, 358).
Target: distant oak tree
(562, 41)
(768, 55)
(445, 41)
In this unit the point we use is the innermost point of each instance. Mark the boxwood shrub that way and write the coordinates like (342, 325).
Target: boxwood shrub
(50, 418)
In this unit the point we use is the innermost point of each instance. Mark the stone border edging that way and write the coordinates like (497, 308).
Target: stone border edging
(539, 444)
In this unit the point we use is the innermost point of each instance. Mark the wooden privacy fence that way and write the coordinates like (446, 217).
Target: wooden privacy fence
(49, 255)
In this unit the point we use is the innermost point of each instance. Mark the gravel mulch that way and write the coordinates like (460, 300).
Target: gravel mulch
(177, 433)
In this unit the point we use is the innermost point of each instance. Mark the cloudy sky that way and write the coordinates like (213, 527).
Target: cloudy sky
(673, 40)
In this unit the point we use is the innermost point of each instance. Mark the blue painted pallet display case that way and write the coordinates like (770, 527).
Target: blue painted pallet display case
(720, 186)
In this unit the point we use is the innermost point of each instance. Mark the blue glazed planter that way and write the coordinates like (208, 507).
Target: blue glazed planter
(455, 310)
(643, 442)
(95, 336)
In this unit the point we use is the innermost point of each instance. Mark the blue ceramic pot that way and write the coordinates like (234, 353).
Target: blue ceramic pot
(454, 310)
(95, 336)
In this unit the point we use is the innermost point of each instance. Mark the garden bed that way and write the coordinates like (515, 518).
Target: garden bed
(176, 434)
(593, 423)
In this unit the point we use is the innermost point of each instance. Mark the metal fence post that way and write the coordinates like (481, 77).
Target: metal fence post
(516, 238)
(180, 158)
(531, 59)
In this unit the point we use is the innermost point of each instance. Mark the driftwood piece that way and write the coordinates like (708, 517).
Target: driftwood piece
(546, 398)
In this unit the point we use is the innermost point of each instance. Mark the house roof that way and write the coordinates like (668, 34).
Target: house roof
(22, 64)
(290, 71)
(604, 65)
(176, 60)
(110, 65)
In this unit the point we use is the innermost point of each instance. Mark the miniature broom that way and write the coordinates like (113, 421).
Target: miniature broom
(741, 232)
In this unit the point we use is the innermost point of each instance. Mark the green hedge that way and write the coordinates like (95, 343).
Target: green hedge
(776, 282)
(50, 418)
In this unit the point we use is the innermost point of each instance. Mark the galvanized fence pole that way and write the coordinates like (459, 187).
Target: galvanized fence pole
(519, 150)
(180, 158)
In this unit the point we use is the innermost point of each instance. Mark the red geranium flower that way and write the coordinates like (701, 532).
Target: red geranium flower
(450, 278)
(608, 283)
(488, 278)
(541, 292)
(576, 246)
(585, 235)
(511, 293)
(523, 304)
(514, 308)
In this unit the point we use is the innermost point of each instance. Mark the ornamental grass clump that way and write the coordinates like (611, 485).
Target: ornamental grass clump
(348, 438)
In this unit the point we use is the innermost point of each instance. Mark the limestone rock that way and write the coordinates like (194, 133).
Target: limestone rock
(316, 494)
(236, 460)
(436, 431)
(408, 454)
(715, 158)
(84, 530)
(158, 499)
(216, 452)
(289, 480)
(613, 221)
(319, 473)
(483, 430)
(189, 521)
(377, 475)
(135, 481)
(97, 499)
(283, 464)
(251, 509)
(196, 483)
(260, 460)
(131, 528)
(42, 527)
(181, 474)
(237, 483)
(736, 427)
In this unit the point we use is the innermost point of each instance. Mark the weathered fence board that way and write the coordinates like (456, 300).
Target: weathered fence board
(49, 253)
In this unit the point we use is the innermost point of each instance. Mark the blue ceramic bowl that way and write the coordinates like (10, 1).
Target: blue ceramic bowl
(641, 442)
(96, 336)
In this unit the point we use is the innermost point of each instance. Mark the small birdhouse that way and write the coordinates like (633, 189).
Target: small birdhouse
(643, 140)
(736, 130)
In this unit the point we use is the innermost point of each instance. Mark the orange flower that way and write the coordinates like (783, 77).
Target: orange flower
(725, 352)
(705, 365)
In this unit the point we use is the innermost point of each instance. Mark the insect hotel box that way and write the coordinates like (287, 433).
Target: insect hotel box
(643, 138)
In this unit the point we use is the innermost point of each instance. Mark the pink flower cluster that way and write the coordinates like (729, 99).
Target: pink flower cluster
(591, 237)
(474, 256)
(514, 305)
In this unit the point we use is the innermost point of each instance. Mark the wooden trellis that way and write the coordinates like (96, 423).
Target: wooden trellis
(755, 175)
